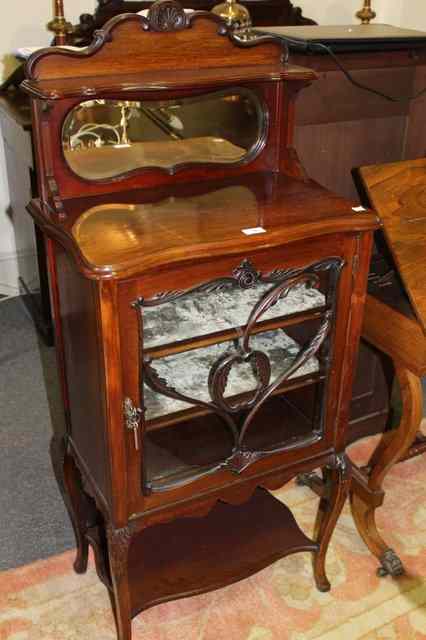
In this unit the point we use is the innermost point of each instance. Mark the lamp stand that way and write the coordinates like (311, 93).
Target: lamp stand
(60, 27)
(366, 14)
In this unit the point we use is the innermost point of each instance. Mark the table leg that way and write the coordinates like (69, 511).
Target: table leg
(391, 448)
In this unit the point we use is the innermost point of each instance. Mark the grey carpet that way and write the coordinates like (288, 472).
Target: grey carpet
(33, 520)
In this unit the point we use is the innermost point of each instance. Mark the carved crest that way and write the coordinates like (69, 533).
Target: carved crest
(167, 15)
(246, 275)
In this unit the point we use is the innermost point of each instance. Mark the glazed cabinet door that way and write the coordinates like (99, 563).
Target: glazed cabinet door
(233, 370)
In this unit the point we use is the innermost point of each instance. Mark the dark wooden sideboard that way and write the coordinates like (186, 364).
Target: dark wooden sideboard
(352, 128)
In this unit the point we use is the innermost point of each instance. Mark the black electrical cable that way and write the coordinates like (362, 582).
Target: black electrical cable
(304, 46)
(318, 45)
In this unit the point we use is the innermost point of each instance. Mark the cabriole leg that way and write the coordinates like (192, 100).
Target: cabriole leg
(68, 479)
(391, 448)
(336, 479)
(118, 552)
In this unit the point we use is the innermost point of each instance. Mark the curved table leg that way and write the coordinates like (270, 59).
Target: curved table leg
(390, 449)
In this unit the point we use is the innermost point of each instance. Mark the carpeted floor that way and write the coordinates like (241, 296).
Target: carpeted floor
(47, 601)
(33, 521)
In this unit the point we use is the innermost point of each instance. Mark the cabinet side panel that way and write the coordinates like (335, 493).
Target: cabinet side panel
(78, 315)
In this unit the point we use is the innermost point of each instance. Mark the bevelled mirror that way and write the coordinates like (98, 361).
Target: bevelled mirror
(103, 139)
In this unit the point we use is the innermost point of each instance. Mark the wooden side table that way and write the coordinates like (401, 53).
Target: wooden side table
(395, 323)
(400, 337)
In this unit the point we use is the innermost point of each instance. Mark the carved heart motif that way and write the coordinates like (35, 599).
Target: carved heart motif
(220, 372)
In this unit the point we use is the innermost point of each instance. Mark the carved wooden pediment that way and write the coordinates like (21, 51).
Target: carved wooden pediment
(166, 38)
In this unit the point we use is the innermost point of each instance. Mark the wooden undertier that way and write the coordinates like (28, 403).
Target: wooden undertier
(190, 556)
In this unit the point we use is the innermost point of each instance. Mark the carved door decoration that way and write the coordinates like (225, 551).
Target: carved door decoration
(214, 358)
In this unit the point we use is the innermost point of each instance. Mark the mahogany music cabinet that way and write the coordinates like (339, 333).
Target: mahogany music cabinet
(208, 302)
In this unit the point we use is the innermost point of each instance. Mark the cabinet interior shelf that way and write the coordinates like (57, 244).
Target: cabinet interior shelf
(197, 412)
(198, 342)
(188, 373)
(198, 315)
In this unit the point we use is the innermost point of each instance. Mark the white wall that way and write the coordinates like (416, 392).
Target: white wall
(389, 11)
(406, 13)
(23, 24)
(414, 14)
(329, 11)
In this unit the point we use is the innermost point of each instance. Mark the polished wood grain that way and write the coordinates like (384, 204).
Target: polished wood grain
(398, 192)
(131, 44)
(147, 235)
(77, 301)
(242, 539)
(395, 334)
(149, 232)
(151, 82)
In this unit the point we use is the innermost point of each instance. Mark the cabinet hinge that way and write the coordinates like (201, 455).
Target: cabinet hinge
(132, 416)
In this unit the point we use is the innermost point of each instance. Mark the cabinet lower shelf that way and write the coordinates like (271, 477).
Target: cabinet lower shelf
(190, 556)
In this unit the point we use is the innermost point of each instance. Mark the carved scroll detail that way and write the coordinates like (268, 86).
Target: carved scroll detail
(167, 15)
(244, 276)
(118, 549)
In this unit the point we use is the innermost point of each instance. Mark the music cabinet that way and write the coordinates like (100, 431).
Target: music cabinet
(208, 301)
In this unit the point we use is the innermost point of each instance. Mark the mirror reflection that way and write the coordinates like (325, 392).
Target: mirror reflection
(103, 139)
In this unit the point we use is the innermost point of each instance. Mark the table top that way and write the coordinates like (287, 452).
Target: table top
(397, 191)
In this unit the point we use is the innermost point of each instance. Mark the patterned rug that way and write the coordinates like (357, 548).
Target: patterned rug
(47, 601)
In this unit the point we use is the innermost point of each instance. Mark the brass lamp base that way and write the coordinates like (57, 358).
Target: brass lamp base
(61, 28)
(234, 14)
(59, 25)
(366, 14)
